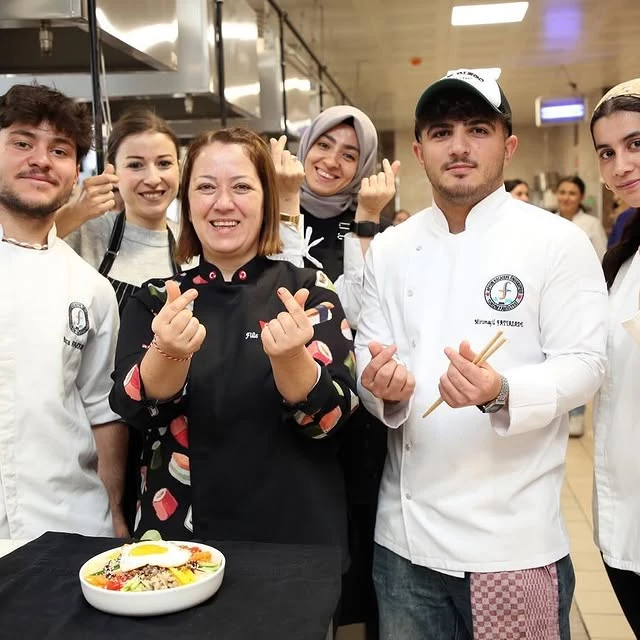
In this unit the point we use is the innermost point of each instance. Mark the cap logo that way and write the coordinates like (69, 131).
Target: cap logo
(457, 74)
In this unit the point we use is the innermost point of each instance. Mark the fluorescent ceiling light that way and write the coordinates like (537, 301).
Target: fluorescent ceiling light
(492, 73)
(488, 13)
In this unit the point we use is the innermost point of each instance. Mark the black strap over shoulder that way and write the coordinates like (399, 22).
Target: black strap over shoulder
(114, 245)
(115, 241)
(172, 253)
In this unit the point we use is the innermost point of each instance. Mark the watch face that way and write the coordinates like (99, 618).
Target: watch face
(494, 407)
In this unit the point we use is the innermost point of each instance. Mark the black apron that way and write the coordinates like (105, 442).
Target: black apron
(124, 290)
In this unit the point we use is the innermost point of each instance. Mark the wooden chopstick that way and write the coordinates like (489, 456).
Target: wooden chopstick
(491, 347)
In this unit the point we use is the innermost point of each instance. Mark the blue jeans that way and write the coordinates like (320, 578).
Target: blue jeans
(416, 603)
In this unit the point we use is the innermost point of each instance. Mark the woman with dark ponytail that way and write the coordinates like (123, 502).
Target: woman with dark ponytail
(615, 128)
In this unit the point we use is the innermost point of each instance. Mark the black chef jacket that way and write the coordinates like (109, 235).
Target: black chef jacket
(228, 459)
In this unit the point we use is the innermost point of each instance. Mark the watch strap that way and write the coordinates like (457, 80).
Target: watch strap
(499, 401)
(364, 229)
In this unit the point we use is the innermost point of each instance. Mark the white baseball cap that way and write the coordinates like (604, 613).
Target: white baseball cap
(486, 88)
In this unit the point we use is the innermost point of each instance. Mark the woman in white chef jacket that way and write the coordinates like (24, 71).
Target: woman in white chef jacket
(615, 127)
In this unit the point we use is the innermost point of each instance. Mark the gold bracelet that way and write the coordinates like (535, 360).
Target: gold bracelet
(154, 342)
(287, 218)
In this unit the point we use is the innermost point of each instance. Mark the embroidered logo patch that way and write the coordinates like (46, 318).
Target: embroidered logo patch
(504, 292)
(78, 318)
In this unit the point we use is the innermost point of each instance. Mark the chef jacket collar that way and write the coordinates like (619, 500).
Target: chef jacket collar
(480, 215)
(245, 274)
(52, 236)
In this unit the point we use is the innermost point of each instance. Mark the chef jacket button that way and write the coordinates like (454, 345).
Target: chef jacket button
(419, 247)
(407, 495)
(410, 293)
(408, 446)
(242, 275)
(413, 344)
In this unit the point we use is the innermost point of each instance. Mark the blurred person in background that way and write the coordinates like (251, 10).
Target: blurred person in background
(570, 194)
(519, 189)
(615, 128)
(618, 226)
(401, 215)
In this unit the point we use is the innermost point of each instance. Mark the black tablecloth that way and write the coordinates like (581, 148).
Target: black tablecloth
(284, 592)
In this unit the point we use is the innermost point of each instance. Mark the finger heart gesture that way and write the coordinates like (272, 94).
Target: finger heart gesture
(177, 332)
(289, 169)
(377, 190)
(288, 333)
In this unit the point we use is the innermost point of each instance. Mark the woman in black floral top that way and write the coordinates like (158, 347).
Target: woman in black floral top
(240, 380)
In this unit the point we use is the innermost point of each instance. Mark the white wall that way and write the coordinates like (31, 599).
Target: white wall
(414, 190)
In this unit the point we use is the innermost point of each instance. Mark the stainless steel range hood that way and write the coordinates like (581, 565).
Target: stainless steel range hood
(51, 36)
(189, 94)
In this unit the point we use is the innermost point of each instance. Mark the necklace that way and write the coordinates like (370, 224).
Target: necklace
(27, 245)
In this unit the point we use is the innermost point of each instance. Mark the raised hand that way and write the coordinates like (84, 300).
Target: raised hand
(287, 334)
(386, 378)
(95, 196)
(289, 169)
(178, 333)
(466, 384)
(376, 191)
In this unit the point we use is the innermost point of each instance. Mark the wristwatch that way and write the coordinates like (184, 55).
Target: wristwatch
(364, 229)
(290, 219)
(495, 405)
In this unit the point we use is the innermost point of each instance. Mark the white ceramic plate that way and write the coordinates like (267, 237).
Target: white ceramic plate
(150, 603)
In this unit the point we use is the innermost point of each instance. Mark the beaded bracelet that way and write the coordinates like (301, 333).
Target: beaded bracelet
(154, 342)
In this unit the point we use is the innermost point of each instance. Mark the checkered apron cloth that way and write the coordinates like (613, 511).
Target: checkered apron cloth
(516, 605)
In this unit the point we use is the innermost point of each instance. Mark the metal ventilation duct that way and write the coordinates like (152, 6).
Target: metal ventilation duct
(189, 94)
(51, 36)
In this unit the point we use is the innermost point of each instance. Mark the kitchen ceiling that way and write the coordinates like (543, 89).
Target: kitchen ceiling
(383, 53)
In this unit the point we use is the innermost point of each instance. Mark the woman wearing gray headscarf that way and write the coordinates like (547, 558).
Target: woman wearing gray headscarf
(341, 199)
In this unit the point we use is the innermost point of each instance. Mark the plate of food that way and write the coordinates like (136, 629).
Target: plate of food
(152, 577)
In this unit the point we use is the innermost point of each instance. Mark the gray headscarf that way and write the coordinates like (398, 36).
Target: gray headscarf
(332, 206)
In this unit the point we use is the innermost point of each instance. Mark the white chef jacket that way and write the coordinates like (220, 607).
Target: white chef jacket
(617, 431)
(463, 490)
(58, 330)
(594, 230)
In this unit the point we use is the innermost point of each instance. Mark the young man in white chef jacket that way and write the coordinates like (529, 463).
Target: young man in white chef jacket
(470, 540)
(62, 449)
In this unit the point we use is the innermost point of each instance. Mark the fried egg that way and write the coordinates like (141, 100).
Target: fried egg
(157, 553)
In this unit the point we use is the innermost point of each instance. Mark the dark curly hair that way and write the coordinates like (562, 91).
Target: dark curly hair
(36, 103)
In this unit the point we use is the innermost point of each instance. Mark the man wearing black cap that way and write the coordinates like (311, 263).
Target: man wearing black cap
(470, 541)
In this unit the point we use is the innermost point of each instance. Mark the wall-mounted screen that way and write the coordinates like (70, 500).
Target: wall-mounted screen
(563, 110)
